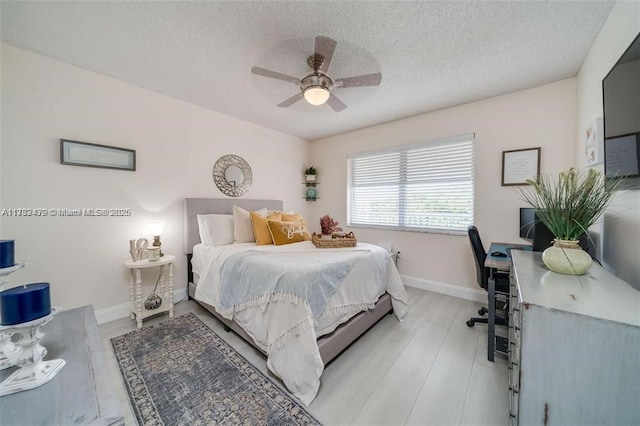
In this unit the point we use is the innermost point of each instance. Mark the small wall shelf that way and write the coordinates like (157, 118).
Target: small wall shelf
(311, 194)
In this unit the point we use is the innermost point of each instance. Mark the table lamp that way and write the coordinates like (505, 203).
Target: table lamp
(156, 229)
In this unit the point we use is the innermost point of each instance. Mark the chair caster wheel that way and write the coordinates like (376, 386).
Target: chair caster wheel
(470, 323)
(483, 311)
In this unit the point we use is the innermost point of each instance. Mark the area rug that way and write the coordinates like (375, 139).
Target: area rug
(179, 372)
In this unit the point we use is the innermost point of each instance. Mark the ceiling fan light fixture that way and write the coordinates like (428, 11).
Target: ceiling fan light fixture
(316, 95)
(316, 88)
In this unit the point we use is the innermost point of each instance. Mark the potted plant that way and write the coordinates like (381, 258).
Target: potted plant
(310, 174)
(568, 206)
(328, 226)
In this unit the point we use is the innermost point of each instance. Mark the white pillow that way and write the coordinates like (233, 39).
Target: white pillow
(215, 229)
(242, 229)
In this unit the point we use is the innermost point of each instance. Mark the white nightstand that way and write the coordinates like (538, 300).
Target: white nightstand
(138, 311)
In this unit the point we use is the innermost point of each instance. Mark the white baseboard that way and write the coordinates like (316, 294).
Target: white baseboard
(113, 313)
(444, 288)
(122, 310)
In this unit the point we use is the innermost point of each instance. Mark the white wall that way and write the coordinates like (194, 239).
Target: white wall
(177, 144)
(620, 228)
(543, 116)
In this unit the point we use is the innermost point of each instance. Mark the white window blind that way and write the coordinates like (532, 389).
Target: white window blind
(420, 187)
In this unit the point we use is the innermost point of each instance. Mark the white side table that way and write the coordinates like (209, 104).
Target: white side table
(138, 311)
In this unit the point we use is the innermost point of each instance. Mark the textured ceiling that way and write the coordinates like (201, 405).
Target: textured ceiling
(432, 55)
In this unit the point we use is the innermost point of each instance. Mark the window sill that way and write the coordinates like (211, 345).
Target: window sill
(418, 230)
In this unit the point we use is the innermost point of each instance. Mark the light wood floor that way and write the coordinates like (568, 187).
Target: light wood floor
(430, 369)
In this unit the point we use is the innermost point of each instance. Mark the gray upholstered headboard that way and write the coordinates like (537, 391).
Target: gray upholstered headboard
(195, 206)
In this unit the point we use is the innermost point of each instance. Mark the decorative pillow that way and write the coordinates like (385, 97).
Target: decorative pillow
(291, 217)
(242, 229)
(215, 229)
(288, 232)
(278, 211)
(261, 227)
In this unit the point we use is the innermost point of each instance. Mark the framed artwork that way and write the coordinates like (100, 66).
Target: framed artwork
(86, 154)
(519, 165)
(594, 143)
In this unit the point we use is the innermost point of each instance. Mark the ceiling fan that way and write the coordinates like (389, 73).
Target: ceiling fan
(316, 87)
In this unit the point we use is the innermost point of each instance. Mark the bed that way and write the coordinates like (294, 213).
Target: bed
(298, 337)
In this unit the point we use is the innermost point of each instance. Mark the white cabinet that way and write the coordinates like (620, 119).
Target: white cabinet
(574, 346)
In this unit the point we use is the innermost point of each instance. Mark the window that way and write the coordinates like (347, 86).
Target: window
(421, 187)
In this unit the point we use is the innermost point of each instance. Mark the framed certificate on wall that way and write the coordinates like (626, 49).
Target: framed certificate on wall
(519, 165)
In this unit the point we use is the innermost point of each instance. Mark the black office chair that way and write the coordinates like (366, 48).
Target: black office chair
(501, 280)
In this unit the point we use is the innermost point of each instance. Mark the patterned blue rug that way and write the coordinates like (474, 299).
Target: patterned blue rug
(180, 372)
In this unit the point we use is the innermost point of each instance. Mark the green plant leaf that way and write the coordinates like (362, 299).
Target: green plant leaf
(570, 204)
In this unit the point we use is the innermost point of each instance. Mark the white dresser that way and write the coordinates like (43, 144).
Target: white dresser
(81, 393)
(574, 346)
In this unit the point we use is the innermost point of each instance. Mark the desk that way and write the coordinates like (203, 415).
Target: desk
(493, 263)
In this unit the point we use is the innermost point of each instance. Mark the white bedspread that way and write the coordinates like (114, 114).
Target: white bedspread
(286, 329)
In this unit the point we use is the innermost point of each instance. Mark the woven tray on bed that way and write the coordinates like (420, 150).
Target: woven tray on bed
(348, 240)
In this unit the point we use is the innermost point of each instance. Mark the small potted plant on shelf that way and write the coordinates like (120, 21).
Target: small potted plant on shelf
(568, 206)
(310, 175)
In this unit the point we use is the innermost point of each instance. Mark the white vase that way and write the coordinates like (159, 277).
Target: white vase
(311, 178)
(566, 257)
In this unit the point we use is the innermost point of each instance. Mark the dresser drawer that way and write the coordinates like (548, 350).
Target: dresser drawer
(513, 407)
(514, 377)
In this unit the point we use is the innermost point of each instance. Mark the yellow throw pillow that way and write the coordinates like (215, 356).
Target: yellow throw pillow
(288, 232)
(291, 217)
(296, 217)
(261, 228)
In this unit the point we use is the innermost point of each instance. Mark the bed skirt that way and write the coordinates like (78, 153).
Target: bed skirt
(330, 345)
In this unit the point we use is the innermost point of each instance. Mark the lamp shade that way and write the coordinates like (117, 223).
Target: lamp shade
(156, 228)
(316, 95)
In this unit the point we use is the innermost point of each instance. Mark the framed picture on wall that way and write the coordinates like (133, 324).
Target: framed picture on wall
(86, 154)
(594, 143)
(519, 165)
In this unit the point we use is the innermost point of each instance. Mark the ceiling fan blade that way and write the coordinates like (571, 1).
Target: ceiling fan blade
(292, 100)
(325, 46)
(335, 103)
(359, 81)
(272, 74)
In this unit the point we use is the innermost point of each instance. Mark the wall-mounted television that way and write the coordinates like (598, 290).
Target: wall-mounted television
(621, 116)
